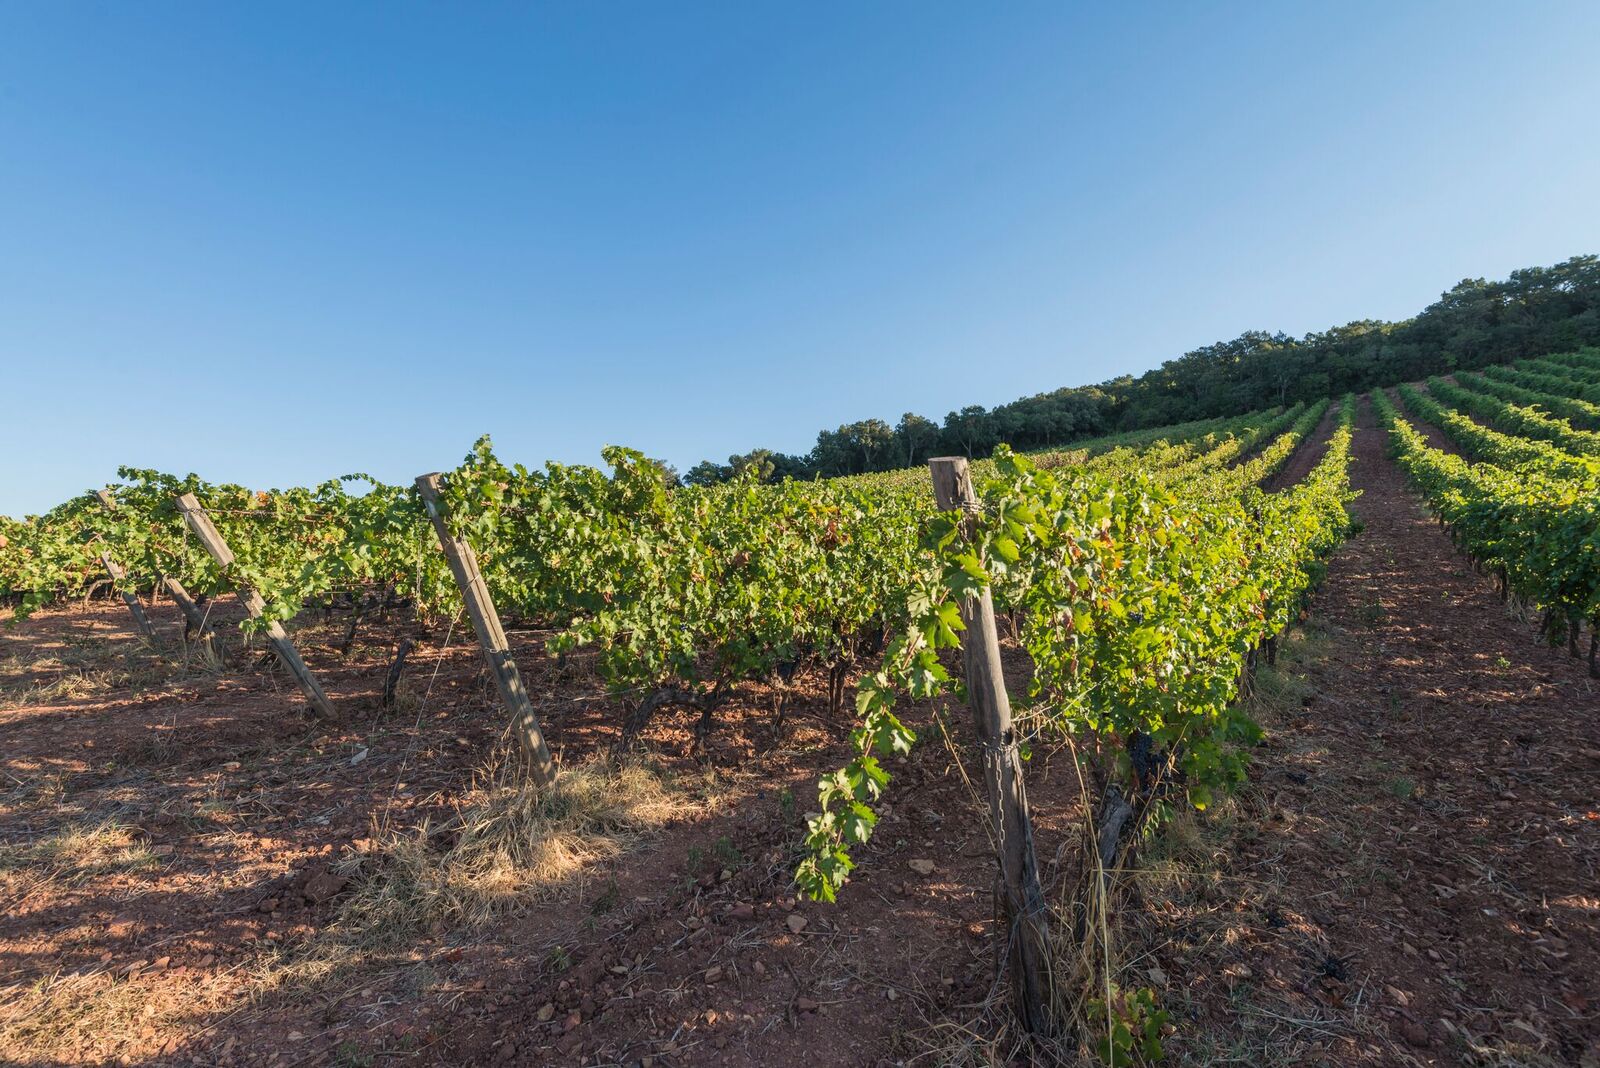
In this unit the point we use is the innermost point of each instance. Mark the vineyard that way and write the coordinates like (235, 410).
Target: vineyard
(1266, 739)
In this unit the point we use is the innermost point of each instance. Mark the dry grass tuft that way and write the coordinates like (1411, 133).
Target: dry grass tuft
(510, 845)
(81, 669)
(71, 854)
(49, 680)
(507, 847)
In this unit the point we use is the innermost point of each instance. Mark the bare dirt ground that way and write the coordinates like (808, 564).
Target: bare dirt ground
(1413, 878)
(1307, 456)
(174, 842)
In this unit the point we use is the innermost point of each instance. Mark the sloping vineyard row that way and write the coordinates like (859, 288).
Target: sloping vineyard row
(1485, 444)
(1530, 522)
(1581, 414)
(1570, 398)
(1141, 589)
(1158, 449)
(1521, 420)
(1585, 362)
(1139, 607)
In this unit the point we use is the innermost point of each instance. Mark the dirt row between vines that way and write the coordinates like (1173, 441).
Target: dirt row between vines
(1411, 879)
(1414, 877)
(1307, 456)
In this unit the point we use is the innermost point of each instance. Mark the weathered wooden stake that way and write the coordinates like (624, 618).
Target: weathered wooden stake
(196, 619)
(200, 522)
(191, 612)
(491, 636)
(1019, 899)
(129, 597)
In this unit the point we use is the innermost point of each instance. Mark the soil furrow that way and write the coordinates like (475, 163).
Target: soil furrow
(1430, 816)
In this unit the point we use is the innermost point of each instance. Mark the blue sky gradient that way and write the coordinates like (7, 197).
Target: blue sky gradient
(276, 243)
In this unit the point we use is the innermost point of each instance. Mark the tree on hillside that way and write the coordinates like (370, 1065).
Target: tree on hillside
(967, 430)
(707, 473)
(914, 436)
(854, 448)
(757, 462)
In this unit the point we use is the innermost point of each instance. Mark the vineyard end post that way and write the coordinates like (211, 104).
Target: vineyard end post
(1020, 898)
(491, 636)
(141, 621)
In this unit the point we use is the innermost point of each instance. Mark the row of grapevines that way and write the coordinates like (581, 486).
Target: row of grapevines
(1225, 454)
(697, 588)
(1268, 462)
(1516, 419)
(1482, 443)
(292, 546)
(1585, 361)
(1536, 528)
(1138, 605)
(1158, 448)
(1551, 379)
(1580, 413)
(692, 589)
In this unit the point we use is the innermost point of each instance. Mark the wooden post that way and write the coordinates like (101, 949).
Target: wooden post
(129, 597)
(491, 636)
(196, 619)
(1019, 899)
(200, 522)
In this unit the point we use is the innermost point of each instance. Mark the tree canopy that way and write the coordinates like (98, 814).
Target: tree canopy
(1537, 310)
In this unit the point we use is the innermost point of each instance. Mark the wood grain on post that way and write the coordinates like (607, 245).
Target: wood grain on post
(491, 636)
(1019, 897)
(200, 522)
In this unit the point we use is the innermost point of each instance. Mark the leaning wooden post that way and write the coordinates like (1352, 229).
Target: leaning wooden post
(191, 612)
(129, 598)
(491, 636)
(200, 522)
(1019, 899)
(195, 620)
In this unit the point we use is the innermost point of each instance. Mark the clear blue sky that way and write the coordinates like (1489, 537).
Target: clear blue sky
(274, 243)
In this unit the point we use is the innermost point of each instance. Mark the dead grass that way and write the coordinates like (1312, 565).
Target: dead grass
(77, 1018)
(1194, 908)
(45, 791)
(71, 854)
(506, 848)
(84, 668)
(22, 685)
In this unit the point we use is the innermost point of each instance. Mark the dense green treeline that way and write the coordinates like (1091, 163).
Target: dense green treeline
(1477, 323)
